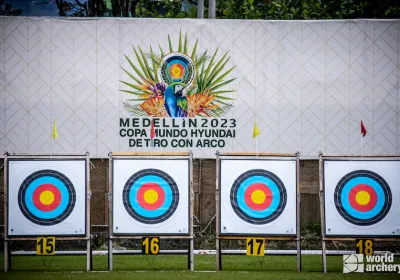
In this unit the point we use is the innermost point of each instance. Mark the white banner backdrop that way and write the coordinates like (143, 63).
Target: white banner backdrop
(28, 215)
(308, 83)
(380, 217)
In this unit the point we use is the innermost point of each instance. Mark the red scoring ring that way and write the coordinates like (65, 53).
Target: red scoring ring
(146, 187)
(254, 187)
(372, 201)
(43, 207)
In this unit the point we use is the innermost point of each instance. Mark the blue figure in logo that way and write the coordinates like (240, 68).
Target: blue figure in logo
(176, 102)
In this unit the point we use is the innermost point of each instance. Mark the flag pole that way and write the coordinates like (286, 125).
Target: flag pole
(361, 144)
(257, 147)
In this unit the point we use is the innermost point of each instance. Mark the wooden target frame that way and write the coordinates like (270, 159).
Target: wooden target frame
(47, 157)
(347, 237)
(150, 156)
(267, 237)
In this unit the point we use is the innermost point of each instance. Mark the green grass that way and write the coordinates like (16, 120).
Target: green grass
(174, 267)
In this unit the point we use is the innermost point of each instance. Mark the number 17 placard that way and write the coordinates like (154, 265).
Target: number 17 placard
(255, 246)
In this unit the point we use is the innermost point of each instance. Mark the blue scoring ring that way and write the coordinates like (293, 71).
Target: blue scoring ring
(375, 181)
(260, 176)
(36, 179)
(146, 216)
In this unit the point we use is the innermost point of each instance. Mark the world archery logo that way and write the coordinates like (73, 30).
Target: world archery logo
(363, 198)
(46, 197)
(258, 196)
(150, 196)
(178, 84)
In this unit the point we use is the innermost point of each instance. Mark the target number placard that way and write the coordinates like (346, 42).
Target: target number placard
(150, 245)
(255, 246)
(365, 246)
(45, 246)
(362, 198)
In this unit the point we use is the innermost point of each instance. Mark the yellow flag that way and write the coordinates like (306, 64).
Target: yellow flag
(256, 131)
(54, 133)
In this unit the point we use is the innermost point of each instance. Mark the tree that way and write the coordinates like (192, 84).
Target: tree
(308, 9)
(76, 8)
(6, 9)
(235, 9)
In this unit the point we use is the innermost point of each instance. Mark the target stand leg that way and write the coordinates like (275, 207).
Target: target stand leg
(298, 255)
(191, 255)
(218, 254)
(7, 256)
(89, 263)
(110, 266)
(189, 260)
(324, 256)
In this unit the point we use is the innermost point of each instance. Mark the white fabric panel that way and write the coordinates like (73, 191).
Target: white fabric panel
(336, 224)
(231, 223)
(74, 224)
(177, 224)
(307, 83)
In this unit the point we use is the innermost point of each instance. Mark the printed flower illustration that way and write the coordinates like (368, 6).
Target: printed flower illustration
(154, 107)
(200, 104)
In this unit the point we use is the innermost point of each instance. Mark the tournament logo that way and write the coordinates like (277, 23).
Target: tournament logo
(178, 82)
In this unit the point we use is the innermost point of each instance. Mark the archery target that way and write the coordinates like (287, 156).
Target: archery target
(46, 197)
(176, 68)
(258, 197)
(361, 198)
(151, 196)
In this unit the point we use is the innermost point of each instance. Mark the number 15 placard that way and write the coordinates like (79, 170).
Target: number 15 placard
(45, 246)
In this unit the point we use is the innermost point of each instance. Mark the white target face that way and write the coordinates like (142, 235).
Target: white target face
(46, 197)
(362, 198)
(258, 197)
(151, 196)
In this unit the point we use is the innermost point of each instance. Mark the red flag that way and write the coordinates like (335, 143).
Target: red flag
(363, 130)
(152, 130)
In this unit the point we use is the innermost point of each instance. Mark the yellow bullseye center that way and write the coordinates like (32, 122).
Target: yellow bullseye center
(362, 198)
(258, 197)
(176, 71)
(46, 197)
(150, 196)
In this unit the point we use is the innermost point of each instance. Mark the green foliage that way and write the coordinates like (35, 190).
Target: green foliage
(313, 228)
(165, 9)
(232, 9)
(275, 9)
(6, 9)
(307, 9)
